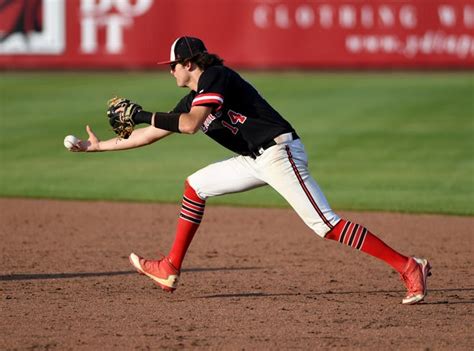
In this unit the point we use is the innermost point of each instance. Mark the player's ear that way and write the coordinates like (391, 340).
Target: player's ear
(189, 65)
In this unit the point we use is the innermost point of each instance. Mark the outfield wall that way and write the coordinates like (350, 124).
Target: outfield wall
(246, 33)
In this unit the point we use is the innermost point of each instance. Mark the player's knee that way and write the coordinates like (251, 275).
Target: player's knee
(333, 233)
(192, 187)
(322, 232)
(187, 185)
(325, 225)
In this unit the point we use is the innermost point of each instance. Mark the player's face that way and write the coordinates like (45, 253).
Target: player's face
(180, 73)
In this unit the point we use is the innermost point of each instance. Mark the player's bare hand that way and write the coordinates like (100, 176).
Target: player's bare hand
(89, 145)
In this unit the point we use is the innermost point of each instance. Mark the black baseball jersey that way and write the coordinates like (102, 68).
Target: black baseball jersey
(241, 119)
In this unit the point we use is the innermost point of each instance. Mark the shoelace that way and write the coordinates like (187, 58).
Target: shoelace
(152, 264)
(408, 283)
(155, 264)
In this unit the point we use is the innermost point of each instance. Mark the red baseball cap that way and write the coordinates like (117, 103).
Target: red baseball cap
(185, 48)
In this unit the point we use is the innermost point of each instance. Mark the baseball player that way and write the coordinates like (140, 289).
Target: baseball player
(228, 109)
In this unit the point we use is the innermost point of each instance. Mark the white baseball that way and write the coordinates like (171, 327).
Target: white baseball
(70, 141)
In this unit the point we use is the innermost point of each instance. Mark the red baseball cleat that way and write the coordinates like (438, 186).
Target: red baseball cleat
(416, 272)
(161, 271)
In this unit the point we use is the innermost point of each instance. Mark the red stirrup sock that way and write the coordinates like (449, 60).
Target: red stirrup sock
(358, 237)
(192, 210)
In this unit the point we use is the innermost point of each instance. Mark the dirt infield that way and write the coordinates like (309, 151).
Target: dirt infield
(253, 279)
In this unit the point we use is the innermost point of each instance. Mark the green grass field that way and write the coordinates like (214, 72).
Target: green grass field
(376, 141)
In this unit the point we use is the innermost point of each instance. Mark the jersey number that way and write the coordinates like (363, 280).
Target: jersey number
(235, 118)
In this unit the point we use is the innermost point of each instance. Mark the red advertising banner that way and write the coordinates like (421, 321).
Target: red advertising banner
(246, 33)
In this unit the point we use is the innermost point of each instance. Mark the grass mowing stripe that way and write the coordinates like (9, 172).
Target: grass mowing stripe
(376, 141)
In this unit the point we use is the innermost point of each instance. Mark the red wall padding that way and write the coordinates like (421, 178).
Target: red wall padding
(246, 33)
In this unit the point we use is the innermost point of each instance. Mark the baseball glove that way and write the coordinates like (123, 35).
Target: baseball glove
(121, 112)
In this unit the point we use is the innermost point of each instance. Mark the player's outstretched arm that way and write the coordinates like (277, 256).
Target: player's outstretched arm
(139, 137)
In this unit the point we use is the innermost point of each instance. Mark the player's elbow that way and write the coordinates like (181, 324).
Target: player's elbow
(189, 128)
(192, 131)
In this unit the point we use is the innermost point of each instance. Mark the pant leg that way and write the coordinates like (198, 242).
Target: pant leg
(285, 168)
(233, 175)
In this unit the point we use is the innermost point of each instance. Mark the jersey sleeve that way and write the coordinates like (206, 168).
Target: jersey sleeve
(211, 87)
(184, 105)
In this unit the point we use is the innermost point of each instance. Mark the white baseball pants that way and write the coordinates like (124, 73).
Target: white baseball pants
(285, 168)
